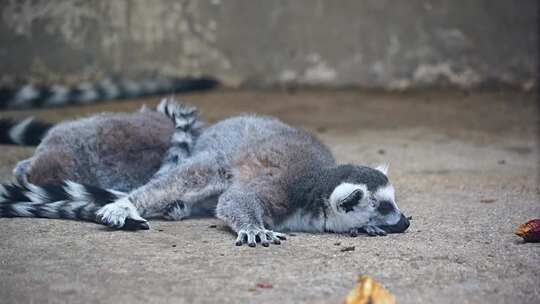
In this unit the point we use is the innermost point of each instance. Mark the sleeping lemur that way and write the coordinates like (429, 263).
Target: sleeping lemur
(259, 175)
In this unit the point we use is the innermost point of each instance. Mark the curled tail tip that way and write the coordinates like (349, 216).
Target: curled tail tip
(170, 105)
(182, 114)
(187, 128)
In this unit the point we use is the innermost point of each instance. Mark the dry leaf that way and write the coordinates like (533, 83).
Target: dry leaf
(369, 291)
(530, 231)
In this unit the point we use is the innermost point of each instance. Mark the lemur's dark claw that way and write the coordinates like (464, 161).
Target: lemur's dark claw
(131, 224)
(121, 214)
(374, 231)
(280, 236)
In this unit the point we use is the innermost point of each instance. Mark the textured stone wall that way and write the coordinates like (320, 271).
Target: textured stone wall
(375, 43)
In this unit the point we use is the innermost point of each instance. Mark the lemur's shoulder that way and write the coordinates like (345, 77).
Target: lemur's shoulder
(263, 145)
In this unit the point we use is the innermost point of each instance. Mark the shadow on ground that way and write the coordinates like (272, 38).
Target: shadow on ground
(464, 165)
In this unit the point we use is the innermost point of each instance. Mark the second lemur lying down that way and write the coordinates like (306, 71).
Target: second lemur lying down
(259, 175)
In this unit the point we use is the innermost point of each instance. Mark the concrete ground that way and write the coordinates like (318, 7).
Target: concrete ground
(464, 165)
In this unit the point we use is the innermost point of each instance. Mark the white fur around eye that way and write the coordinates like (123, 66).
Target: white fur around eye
(386, 193)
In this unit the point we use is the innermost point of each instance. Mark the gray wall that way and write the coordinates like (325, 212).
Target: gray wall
(370, 43)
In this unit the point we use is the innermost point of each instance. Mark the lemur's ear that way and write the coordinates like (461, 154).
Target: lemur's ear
(348, 203)
(382, 168)
(144, 109)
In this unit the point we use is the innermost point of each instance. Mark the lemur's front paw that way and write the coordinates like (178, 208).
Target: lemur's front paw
(253, 235)
(122, 215)
(370, 230)
(176, 210)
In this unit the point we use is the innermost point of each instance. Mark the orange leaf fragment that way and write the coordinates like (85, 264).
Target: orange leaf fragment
(530, 231)
(369, 291)
(264, 285)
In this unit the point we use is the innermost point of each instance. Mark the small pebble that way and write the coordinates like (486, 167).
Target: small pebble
(174, 245)
(321, 129)
(488, 200)
(348, 248)
(381, 151)
(212, 226)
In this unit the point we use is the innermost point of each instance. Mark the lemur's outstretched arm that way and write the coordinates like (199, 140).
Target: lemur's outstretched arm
(244, 206)
(173, 194)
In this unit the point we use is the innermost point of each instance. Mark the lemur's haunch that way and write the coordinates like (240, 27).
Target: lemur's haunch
(259, 175)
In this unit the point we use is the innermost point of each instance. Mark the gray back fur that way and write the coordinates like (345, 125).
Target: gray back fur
(117, 151)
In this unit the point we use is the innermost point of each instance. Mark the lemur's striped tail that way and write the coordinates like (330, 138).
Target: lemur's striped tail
(187, 128)
(67, 200)
(27, 132)
(32, 96)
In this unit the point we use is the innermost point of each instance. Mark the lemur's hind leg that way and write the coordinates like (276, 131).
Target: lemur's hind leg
(173, 194)
(243, 208)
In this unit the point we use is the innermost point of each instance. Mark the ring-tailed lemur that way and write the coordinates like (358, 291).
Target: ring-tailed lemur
(259, 175)
(31, 96)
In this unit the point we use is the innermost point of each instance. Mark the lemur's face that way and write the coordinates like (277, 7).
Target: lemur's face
(365, 201)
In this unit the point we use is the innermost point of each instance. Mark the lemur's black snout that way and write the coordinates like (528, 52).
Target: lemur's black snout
(399, 227)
